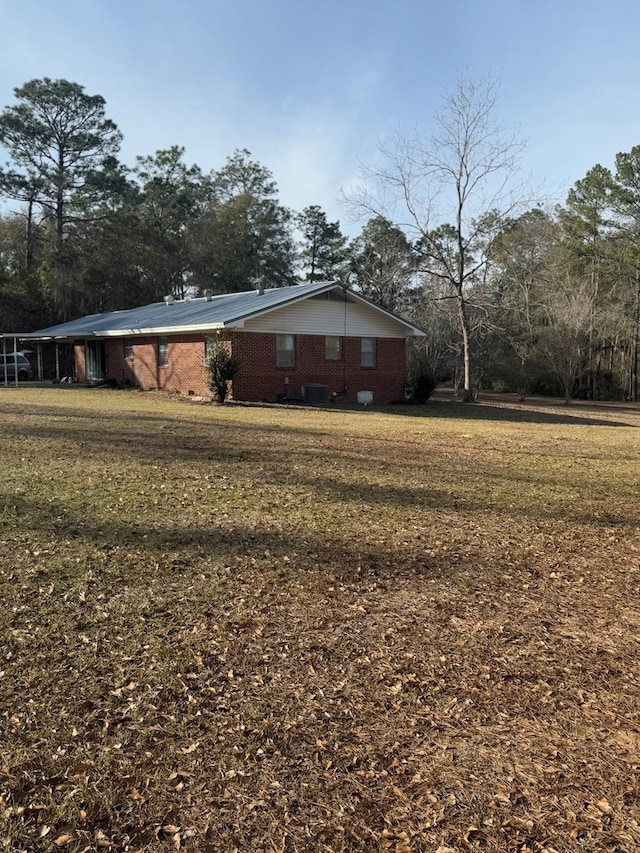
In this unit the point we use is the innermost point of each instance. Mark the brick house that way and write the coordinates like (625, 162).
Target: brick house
(306, 341)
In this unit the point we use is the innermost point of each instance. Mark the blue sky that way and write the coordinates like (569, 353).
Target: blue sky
(312, 88)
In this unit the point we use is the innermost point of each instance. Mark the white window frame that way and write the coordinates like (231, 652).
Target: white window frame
(285, 350)
(163, 351)
(368, 352)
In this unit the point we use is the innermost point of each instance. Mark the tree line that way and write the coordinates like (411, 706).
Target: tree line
(513, 296)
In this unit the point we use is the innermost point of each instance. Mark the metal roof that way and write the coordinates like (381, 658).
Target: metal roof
(201, 314)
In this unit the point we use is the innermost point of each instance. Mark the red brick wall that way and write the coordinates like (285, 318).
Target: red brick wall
(184, 372)
(258, 379)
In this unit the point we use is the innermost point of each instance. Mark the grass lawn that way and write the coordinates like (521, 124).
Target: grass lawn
(283, 629)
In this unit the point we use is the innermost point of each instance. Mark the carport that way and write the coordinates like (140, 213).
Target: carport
(10, 347)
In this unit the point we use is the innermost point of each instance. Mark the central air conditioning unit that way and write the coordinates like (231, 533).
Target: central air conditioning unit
(315, 394)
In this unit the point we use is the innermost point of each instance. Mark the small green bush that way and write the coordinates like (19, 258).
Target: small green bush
(222, 367)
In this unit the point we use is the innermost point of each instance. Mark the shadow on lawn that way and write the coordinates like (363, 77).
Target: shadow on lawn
(142, 433)
(540, 411)
(492, 411)
(132, 553)
(313, 473)
(224, 532)
(163, 440)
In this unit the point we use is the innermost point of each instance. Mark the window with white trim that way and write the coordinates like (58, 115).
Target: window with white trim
(163, 351)
(285, 351)
(368, 352)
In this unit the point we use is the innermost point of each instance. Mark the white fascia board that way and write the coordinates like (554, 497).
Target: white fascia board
(160, 330)
(27, 336)
(49, 338)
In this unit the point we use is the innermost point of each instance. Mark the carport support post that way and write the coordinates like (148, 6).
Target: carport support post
(57, 362)
(39, 359)
(15, 361)
(6, 371)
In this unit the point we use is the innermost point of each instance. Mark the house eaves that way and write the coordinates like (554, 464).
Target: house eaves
(159, 330)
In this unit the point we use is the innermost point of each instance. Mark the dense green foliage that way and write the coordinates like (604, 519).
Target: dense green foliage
(539, 300)
(323, 249)
(221, 365)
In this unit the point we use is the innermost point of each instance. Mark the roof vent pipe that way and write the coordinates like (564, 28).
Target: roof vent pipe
(169, 300)
(260, 286)
(207, 295)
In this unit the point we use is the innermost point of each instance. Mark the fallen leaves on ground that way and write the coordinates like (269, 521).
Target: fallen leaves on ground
(255, 628)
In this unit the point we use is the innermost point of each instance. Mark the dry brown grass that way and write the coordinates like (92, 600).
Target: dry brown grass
(267, 629)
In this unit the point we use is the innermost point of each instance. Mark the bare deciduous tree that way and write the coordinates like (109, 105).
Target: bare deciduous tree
(450, 192)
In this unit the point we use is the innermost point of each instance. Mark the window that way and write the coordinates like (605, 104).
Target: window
(284, 351)
(368, 352)
(163, 351)
(332, 348)
(128, 348)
